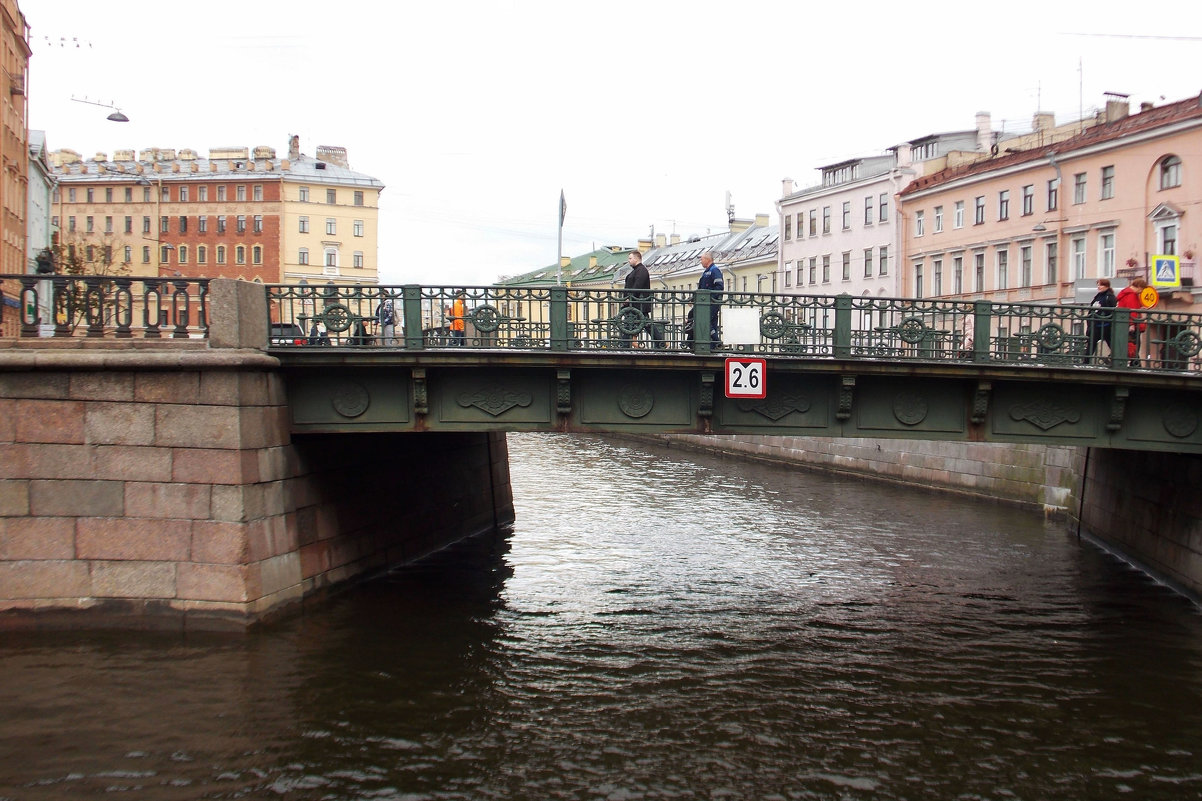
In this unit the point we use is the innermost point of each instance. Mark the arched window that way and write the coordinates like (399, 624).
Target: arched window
(183, 254)
(1170, 172)
(240, 255)
(221, 254)
(256, 255)
(201, 254)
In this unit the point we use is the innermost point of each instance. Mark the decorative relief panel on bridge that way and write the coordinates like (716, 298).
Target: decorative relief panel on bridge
(793, 403)
(518, 397)
(342, 398)
(912, 406)
(620, 398)
(1156, 417)
(1032, 411)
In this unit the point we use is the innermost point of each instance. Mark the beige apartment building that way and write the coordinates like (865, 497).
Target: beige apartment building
(1040, 222)
(239, 213)
(14, 137)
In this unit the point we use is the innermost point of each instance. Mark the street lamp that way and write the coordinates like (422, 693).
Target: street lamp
(116, 116)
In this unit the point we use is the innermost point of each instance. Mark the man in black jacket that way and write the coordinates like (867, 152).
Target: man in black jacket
(1099, 323)
(638, 291)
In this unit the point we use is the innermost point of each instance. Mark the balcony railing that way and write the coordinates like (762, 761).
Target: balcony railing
(568, 319)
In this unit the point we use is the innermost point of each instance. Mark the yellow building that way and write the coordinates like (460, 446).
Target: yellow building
(14, 141)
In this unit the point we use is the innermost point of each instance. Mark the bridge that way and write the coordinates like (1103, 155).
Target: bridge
(177, 450)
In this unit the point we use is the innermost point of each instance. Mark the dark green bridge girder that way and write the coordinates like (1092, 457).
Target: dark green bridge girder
(396, 390)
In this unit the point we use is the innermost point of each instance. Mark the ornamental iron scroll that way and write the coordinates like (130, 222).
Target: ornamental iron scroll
(912, 330)
(773, 325)
(337, 318)
(1187, 344)
(630, 321)
(1044, 414)
(495, 400)
(1050, 337)
(486, 319)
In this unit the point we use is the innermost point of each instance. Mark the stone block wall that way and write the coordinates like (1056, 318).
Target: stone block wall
(165, 490)
(1037, 476)
(1147, 508)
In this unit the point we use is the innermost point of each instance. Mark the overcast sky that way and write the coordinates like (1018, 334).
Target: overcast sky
(475, 114)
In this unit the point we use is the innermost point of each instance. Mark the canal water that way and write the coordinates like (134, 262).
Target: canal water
(658, 625)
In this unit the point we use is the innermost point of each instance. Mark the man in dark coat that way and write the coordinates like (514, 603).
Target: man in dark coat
(1100, 320)
(638, 290)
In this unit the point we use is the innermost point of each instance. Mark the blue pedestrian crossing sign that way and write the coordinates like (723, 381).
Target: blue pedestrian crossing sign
(1166, 271)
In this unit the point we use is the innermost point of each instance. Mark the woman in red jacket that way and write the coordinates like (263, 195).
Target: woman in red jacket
(1128, 298)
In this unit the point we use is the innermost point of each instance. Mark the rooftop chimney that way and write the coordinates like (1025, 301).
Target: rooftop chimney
(333, 155)
(293, 147)
(984, 131)
(1043, 121)
(787, 187)
(674, 239)
(1117, 106)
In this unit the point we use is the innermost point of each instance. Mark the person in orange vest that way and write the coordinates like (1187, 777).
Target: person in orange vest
(458, 319)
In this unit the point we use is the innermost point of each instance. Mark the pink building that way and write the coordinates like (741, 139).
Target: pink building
(1042, 223)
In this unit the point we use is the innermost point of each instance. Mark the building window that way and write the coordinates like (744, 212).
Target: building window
(129, 194)
(183, 254)
(202, 254)
(331, 226)
(1053, 194)
(256, 254)
(1003, 204)
(331, 258)
(826, 219)
(202, 194)
(826, 269)
(958, 275)
(1166, 236)
(358, 228)
(221, 194)
(800, 271)
(240, 254)
(146, 225)
(882, 207)
(958, 214)
(936, 278)
(241, 224)
(221, 254)
(978, 268)
(358, 198)
(1170, 174)
(183, 224)
(90, 223)
(1003, 269)
(165, 193)
(868, 210)
(1024, 268)
(847, 265)
(867, 262)
(938, 219)
(71, 194)
(108, 224)
(1028, 200)
(331, 196)
(1078, 246)
(304, 194)
(108, 194)
(240, 193)
(800, 223)
(883, 260)
(846, 215)
(919, 223)
(129, 225)
(357, 259)
(813, 269)
(257, 194)
(788, 226)
(1079, 188)
(1107, 183)
(788, 273)
(813, 222)
(1049, 260)
(70, 225)
(918, 280)
(164, 254)
(183, 194)
(221, 223)
(90, 199)
(202, 224)
(303, 256)
(146, 254)
(979, 210)
(258, 223)
(164, 224)
(1106, 254)
(129, 254)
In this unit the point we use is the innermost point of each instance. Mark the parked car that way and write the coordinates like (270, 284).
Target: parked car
(287, 334)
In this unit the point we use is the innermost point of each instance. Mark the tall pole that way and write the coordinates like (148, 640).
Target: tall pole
(563, 210)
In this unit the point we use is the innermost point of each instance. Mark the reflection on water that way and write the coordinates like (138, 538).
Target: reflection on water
(658, 625)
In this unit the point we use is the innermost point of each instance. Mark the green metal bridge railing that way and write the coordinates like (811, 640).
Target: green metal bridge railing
(568, 319)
